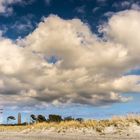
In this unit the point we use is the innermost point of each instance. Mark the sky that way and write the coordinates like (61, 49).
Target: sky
(75, 58)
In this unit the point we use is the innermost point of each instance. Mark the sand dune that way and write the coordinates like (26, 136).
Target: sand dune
(115, 129)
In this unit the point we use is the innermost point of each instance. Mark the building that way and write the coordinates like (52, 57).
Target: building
(19, 118)
(1, 117)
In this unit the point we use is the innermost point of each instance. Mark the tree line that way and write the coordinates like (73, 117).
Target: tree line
(51, 118)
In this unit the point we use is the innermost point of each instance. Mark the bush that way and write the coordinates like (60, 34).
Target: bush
(55, 118)
(79, 119)
(41, 118)
(10, 118)
(34, 118)
(69, 118)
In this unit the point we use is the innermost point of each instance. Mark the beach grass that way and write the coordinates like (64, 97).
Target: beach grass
(98, 125)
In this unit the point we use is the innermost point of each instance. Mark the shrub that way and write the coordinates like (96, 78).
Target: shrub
(41, 118)
(10, 118)
(34, 118)
(79, 119)
(55, 118)
(69, 118)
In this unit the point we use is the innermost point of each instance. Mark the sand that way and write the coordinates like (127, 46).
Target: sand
(124, 130)
(66, 137)
(110, 133)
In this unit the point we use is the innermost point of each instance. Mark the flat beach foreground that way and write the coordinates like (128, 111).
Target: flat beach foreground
(122, 128)
(67, 137)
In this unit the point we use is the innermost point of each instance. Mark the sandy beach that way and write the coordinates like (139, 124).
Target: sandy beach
(67, 137)
(126, 129)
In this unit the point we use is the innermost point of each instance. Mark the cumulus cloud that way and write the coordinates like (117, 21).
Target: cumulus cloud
(128, 36)
(85, 69)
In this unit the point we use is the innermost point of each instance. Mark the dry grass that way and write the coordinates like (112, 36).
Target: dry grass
(97, 125)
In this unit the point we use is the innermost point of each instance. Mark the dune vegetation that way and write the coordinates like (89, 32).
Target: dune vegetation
(64, 125)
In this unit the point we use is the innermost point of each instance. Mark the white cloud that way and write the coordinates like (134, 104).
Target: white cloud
(6, 5)
(23, 24)
(88, 70)
(135, 6)
(127, 84)
(109, 14)
(126, 5)
(123, 28)
(8, 56)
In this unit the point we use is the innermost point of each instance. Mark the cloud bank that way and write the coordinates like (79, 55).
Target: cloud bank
(63, 62)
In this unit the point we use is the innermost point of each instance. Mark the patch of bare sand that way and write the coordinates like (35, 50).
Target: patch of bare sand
(109, 133)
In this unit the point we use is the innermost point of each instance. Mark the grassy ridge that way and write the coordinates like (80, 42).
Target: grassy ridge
(98, 125)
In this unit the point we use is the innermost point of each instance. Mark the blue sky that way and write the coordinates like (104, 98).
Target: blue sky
(41, 76)
(30, 14)
(84, 111)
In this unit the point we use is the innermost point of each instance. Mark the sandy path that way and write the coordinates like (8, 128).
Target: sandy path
(60, 137)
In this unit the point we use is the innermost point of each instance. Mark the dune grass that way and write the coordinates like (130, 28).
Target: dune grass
(98, 125)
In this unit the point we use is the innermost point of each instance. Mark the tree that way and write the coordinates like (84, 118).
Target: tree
(80, 119)
(10, 118)
(55, 118)
(33, 117)
(41, 118)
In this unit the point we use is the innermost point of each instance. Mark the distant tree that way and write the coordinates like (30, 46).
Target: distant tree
(80, 119)
(10, 118)
(34, 118)
(41, 118)
(69, 118)
(55, 118)
(24, 123)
